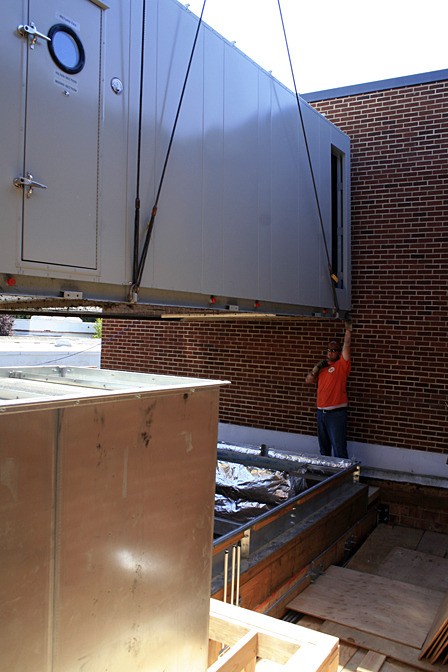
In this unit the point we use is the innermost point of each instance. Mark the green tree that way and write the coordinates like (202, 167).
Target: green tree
(98, 328)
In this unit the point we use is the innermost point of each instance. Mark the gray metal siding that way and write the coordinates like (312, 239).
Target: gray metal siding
(237, 216)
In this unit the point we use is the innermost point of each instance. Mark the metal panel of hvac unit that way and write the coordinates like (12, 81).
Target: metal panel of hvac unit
(106, 519)
(237, 215)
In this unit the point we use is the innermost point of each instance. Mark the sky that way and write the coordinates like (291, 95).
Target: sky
(335, 42)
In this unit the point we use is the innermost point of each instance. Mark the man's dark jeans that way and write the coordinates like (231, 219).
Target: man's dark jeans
(332, 432)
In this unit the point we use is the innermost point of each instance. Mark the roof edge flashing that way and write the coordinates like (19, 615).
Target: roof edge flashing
(380, 85)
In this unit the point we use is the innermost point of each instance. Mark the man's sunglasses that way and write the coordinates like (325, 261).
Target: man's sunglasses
(333, 350)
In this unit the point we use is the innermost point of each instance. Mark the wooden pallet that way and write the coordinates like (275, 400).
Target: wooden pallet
(242, 640)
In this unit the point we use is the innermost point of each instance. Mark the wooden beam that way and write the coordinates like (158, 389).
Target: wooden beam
(240, 656)
(308, 657)
(371, 662)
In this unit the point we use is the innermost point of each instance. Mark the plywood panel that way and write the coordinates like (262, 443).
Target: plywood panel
(436, 639)
(372, 662)
(399, 652)
(390, 666)
(372, 604)
(420, 569)
(354, 661)
(379, 544)
(346, 654)
(434, 543)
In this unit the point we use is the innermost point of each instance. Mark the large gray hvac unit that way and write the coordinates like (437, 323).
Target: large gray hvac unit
(88, 111)
(106, 519)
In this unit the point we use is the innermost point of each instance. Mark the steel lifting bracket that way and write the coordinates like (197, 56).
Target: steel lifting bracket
(245, 544)
(315, 570)
(350, 543)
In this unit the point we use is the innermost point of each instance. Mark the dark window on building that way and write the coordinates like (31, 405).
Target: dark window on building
(337, 215)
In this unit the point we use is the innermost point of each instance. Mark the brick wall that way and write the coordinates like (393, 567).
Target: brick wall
(415, 505)
(399, 268)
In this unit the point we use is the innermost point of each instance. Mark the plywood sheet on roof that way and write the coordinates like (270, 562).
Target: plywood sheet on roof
(394, 651)
(436, 642)
(379, 544)
(372, 662)
(391, 609)
(420, 569)
(434, 543)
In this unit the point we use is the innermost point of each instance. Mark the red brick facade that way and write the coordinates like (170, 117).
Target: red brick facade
(399, 226)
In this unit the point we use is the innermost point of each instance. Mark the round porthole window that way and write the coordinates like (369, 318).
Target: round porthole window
(66, 49)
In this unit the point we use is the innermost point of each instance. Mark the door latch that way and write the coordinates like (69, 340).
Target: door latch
(31, 31)
(28, 181)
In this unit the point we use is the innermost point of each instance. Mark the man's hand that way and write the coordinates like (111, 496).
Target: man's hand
(314, 374)
(348, 322)
(310, 379)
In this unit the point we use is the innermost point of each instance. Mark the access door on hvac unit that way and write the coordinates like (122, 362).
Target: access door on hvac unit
(59, 180)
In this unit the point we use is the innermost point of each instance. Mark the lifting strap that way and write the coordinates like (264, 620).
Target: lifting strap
(139, 149)
(139, 265)
(333, 278)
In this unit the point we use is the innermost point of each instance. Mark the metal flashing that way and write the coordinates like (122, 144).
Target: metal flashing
(380, 85)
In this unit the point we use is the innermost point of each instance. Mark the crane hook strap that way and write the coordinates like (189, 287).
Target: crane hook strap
(138, 274)
(332, 276)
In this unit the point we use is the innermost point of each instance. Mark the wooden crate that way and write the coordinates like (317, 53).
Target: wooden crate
(240, 640)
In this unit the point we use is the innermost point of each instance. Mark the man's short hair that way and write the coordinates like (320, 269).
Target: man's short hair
(335, 345)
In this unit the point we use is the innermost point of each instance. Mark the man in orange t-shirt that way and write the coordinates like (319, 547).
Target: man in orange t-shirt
(332, 401)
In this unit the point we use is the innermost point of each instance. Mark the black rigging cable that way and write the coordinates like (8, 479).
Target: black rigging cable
(333, 278)
(138, 270)
(139, 149)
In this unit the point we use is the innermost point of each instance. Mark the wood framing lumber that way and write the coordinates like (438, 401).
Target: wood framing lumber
(240, 656)
(372, 662)
(309, 658)
(275, 640)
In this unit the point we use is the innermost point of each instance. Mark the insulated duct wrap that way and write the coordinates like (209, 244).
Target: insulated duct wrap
(254, 483)
(238, 511)
(244, 492)
(303, 460)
